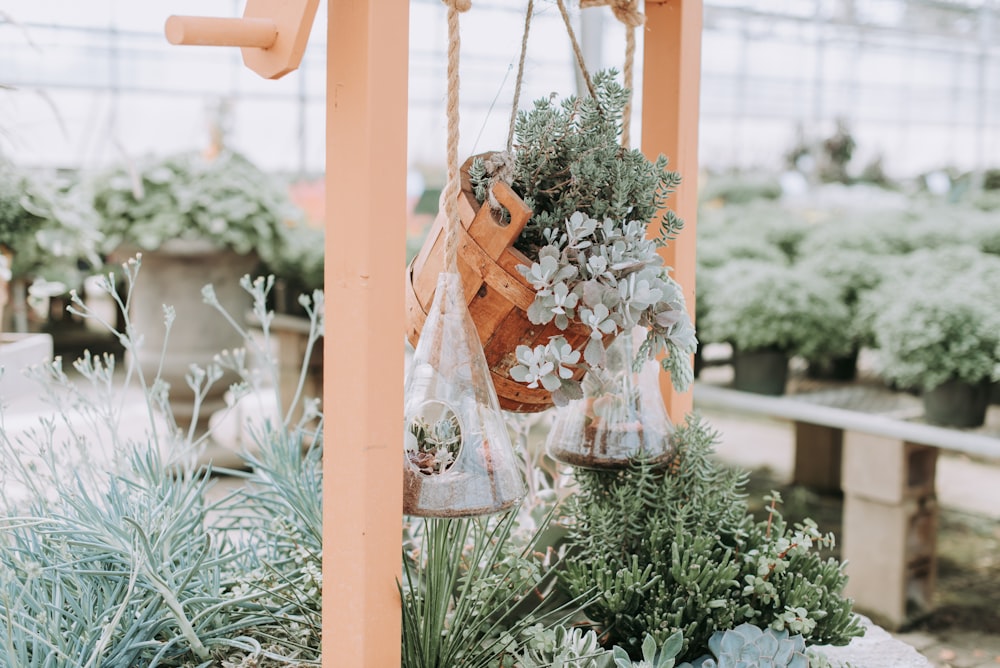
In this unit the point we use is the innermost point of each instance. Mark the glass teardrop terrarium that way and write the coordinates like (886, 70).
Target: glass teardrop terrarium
(458, 459)
(620, 417)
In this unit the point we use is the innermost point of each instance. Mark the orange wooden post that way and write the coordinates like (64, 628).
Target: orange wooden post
(670, 95)
(363, 346)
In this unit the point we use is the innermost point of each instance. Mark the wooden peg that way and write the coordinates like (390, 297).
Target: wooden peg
(272, 34)
(205, 31)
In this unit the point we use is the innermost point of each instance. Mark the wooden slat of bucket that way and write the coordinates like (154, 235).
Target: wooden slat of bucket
(518, 397)
(497, 294)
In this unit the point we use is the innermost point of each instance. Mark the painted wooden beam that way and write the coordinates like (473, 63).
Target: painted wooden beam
(671, 84)
(363, 348)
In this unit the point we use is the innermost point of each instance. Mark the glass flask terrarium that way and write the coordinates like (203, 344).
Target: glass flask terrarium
(457, 460)
(620, 417)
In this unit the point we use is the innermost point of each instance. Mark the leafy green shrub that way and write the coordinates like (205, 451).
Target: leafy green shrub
(937, 318)
(755, 305)
(46, 224)
(758, 230)
(740, 188)
(676, 550)
(226, 201)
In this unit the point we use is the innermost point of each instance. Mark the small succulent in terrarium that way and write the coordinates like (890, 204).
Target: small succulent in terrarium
(432, 444)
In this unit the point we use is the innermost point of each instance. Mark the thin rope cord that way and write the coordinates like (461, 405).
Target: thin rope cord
(626, 11)
(453, 187)
(520, 75)
(627, 75)
(576, 48)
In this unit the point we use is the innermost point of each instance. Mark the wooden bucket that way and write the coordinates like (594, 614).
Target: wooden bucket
(497, 294)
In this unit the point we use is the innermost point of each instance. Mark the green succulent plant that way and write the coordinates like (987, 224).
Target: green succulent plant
(562, 647)
(588, 256)
(748, 646)
(652, 655)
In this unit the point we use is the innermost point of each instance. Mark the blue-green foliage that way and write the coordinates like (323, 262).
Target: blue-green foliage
(748, 646)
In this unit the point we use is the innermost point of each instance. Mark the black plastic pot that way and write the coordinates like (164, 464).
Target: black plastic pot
(760, 371)
(956, 403)
(844, 368)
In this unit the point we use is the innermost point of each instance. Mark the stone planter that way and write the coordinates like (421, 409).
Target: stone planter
(17, 352)
(957, 403)
(174, 275)
(760, 371)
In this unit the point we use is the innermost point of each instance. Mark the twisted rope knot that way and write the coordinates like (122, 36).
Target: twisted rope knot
(626, 11)
(499, 167)
(458, 5)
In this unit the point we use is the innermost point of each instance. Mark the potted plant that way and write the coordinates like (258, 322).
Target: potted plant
(942, 336)
(769, 313)
(852, 274)
(558, 251)
(195, 221)
(47, 232)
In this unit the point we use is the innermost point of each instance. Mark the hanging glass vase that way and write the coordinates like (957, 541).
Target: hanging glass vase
(458, 460)
(620, 416)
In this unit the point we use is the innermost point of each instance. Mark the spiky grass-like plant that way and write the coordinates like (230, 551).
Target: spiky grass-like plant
(472, 589)
(123, 560)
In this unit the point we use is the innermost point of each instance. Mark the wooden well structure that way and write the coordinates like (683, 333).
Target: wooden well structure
(367, 72)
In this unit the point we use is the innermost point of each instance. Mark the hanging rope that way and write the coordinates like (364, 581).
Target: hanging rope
(520, 75)
(453, 186)
(626, 11)
(576, 48)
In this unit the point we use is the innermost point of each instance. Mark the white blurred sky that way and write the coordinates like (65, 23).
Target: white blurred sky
(96, 81)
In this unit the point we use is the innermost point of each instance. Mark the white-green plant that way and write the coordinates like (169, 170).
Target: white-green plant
(936, 317)
(653, 656)
(562, 647)
(607, 275)
(226, 201)
(757, 305)
(589, 260)
(126, 560)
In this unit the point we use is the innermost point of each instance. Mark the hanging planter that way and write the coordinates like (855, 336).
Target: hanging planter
(497, 294)
(554, 249)
(458, 460)
(550, 285)
(621, 417)
(457, 456)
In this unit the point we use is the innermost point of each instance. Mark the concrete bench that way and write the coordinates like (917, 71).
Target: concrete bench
(869, 442)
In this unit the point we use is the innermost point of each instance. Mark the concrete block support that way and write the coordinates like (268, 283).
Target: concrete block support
(818, 451)
(890, 526)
